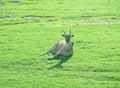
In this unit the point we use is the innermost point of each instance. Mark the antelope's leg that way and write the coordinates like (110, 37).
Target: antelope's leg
(45, 53)
(55, 56)
(49, 51)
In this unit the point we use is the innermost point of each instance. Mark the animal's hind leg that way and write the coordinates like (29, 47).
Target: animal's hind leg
(45, 53)
(54, 57)
(52, 50)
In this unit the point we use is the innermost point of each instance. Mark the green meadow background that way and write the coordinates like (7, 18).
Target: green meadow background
(31, 27)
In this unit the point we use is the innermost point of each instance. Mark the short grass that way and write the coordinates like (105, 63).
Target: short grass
(30, 27)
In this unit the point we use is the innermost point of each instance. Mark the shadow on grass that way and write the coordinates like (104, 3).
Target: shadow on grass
(62, 59)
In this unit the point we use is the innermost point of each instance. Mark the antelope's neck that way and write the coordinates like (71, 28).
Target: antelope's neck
(67, 45)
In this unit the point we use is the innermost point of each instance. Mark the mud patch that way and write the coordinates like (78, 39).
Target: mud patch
(32, 16)
(91, 20)
(96, 20)
(10, 16)
(36, 17)
(15, 1)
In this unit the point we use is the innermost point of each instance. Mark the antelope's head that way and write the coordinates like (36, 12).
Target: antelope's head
(67, 37)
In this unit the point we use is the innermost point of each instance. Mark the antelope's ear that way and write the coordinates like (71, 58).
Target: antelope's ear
(63, 35)
(72, 35)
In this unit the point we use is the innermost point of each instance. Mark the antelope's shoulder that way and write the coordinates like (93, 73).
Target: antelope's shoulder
(61, 42)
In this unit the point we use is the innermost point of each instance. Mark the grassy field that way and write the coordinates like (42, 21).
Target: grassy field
(30, 27)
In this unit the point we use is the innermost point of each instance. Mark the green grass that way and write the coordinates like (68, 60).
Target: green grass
(31, 27)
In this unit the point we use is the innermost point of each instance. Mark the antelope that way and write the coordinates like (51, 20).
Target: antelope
(62, 48)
